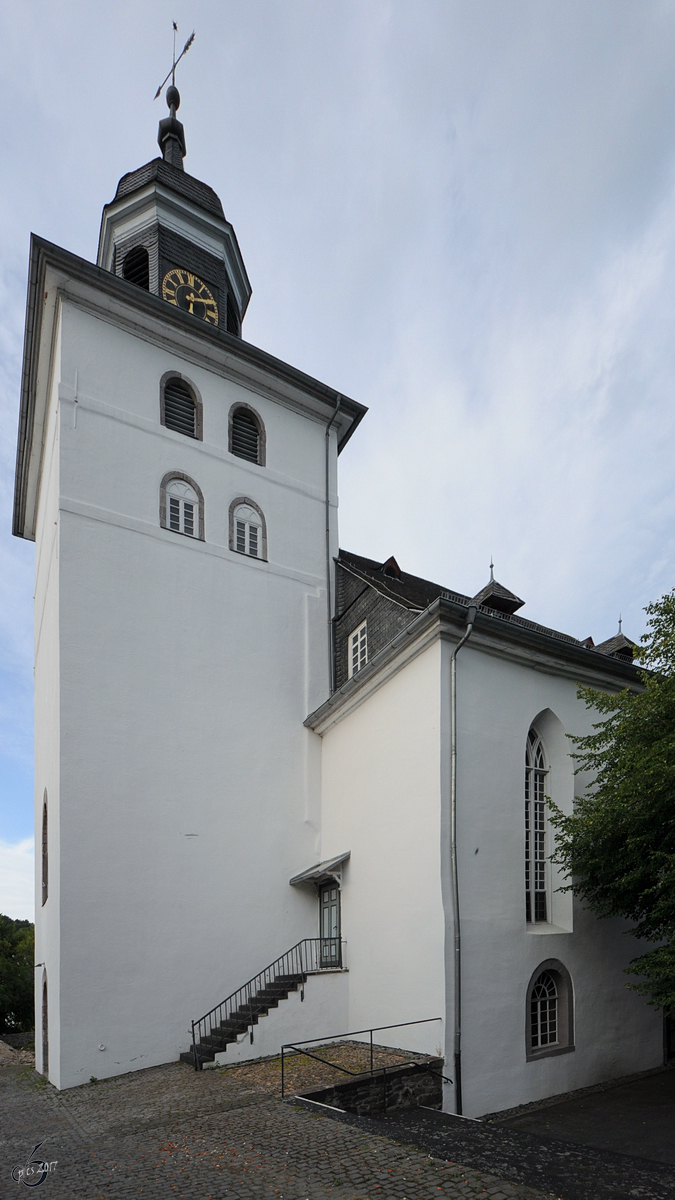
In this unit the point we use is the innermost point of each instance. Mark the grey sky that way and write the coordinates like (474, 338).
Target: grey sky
(461, 213)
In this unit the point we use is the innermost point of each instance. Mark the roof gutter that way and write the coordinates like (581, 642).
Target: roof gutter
(457, 930)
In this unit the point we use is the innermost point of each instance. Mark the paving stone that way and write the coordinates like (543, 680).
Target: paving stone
(168, 1132)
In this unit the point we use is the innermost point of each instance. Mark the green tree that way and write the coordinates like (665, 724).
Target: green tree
(618, 847)
(17, 952)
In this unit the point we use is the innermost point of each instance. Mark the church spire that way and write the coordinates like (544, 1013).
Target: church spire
(171, 136)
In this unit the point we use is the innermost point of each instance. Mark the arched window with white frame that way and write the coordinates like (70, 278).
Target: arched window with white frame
(248, 530)
(536, 881)
(181, 505)
(550, 1011)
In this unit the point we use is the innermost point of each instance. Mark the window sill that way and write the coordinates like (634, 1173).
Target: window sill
(534, 1055)
(541, 927)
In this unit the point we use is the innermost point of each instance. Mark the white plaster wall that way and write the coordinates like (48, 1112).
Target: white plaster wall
(381, 801)
(189, 785)
(47, 756)
(323, 1011)
(616, 1033)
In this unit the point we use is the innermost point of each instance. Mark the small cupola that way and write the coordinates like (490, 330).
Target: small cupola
(494, 595)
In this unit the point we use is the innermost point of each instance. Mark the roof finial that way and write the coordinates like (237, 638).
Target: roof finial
(171, 136)
(174, 64)
(492, 570)
(619, 622)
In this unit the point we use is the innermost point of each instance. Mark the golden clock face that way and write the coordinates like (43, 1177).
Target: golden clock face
(187, 291)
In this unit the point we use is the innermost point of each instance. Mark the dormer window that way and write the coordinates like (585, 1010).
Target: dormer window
(136, 267)
(180, 408)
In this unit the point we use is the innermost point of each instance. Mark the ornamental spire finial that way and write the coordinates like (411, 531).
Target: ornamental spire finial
(171, 136)
(492, 570)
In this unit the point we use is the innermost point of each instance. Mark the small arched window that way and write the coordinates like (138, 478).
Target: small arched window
(45, 849)
(136, 267)
(247, 434)
(180, 408)
(536, 882)
(550, 1024)
(45, 1026)
(181, 505)
(248, 531)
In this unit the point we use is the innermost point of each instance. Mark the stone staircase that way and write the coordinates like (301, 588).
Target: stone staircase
(237, 1015)
(241, 1020)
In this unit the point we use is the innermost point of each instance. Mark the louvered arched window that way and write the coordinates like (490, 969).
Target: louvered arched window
(136, 267)
(181, 409)
(232, 316)
(247, 434)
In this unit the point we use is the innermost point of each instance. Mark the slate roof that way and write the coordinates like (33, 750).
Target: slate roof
(417, 594)
(618, 646)
(495, 595)
(186, 185)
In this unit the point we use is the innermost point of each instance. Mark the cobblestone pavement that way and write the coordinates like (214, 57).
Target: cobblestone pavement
(168, 1131)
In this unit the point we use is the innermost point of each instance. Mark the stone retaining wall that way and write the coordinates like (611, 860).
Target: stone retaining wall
(386, 1090)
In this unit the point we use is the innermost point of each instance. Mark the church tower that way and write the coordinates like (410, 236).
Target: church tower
(180, 485)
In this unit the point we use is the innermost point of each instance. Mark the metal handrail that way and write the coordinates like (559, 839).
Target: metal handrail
(354, 1033)
(294, 965)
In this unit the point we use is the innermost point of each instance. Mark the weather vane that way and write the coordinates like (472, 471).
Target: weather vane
(172, 72)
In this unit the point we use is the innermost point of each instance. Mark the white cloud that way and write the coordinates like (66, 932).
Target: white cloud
(17, 889)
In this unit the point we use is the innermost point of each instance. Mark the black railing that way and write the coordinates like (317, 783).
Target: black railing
(332, 1037)
(240, 1011)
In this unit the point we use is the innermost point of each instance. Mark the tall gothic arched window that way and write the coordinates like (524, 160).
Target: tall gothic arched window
(45, 849)
(536, 900)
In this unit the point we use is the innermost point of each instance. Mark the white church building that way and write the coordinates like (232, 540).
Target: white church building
(256, 750)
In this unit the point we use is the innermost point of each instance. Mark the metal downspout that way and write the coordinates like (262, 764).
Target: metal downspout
(329, 590)
(471, 617)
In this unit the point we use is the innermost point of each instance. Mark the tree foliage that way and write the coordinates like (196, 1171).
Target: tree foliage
(618, 847)
(17, 952)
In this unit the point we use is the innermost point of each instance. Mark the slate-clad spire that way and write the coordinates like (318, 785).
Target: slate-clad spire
(171, 136)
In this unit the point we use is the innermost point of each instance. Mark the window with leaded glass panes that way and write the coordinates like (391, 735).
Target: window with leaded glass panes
(536, 902)
(544, 1012)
